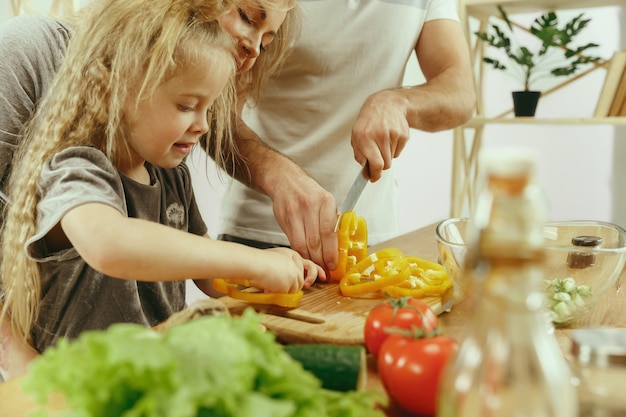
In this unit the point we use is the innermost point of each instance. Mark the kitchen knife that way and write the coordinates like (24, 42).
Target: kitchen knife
(354, 193)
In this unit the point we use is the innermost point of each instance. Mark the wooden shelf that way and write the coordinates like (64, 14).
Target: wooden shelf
(489, 7)
(468, 138)
(480, 121)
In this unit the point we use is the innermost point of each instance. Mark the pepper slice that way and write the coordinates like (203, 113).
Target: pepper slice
(426, 279)
(231, 287)
(375, 272)
(221, 285)
(352, 243)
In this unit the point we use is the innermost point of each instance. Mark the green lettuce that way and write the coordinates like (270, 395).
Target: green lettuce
(212, 366)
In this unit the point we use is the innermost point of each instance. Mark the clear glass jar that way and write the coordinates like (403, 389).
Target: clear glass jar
(583, 259)
(598, 358)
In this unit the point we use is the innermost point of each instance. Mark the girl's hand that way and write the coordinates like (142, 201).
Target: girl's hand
(284, 270)
(312, 271)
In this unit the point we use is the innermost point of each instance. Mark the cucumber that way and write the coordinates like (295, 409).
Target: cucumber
(338, 367)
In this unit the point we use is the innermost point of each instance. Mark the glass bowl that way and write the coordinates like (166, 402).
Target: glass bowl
(576, 277)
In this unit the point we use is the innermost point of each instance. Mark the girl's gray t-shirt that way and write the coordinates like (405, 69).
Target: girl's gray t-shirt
(75, 297)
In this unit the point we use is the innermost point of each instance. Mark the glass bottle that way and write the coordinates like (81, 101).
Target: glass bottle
(509, 363)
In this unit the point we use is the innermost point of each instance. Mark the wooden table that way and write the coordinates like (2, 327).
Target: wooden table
(422, 243)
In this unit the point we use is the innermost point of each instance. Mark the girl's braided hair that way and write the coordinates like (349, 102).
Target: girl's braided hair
(122, 50)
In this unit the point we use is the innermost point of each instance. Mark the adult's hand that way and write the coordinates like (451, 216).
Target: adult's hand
(303, 209)
(380, 132)
(307, 213)
(446, 100)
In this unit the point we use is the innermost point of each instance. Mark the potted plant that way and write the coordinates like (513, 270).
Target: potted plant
(531, 65)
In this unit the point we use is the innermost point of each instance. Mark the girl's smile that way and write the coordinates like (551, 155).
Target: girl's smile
(166, 126)
(184, 148)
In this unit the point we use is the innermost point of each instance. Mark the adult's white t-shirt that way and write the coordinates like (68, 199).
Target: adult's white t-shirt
(348, 50)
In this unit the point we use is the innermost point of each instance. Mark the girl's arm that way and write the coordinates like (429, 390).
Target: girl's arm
(311, 272)
(15, 354)
(130, 248)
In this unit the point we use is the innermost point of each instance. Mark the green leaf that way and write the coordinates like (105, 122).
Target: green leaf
(495, 63)
(212, 366)
(546, 29)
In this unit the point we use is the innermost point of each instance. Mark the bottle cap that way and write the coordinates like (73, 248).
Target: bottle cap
(603, 346)
(507, 162)
(592, 241)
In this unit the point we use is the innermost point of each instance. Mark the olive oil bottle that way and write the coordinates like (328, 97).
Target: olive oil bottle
(509, 363)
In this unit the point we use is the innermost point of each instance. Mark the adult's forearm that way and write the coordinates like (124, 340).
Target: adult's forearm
(260, 166)
(304, 210)
(443, 103)
(448, 98)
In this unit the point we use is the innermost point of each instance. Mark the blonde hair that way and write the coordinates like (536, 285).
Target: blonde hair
(122, 50)
(269, 61)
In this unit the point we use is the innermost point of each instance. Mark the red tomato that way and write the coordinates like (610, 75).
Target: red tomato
(400, 313)
(410, 369)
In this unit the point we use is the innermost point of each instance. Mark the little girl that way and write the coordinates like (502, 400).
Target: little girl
(101, 168)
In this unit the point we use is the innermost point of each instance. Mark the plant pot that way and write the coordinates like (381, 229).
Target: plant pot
(525, 102)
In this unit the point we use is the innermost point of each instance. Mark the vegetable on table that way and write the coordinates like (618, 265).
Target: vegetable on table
(403, 313)
(410, 366)
(214, 365)
(426, 279)
(376, 271)
(338, 367)
(389, 271)
(352, 243)
(256, 296)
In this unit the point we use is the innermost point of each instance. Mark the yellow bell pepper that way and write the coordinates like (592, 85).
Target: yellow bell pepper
(231, 287)
(377, 271)
(389, 271)
(426, 279)
(352, 242)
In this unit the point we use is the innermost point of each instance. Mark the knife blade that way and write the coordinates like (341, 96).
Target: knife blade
(354, 193)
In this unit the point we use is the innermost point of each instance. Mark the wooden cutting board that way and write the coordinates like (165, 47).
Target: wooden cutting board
(323, 316)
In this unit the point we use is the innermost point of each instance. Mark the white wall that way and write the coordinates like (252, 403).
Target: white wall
(576, 162)
(619, 151)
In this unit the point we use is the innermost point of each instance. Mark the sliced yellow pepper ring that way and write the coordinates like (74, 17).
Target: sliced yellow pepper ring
(425, 264)
(352, 243)
(418, 292)
(377, 271)
(220, 285)
(231, 287)
(427, 278)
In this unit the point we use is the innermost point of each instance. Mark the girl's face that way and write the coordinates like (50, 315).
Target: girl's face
(253, 27)
(165, 127)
